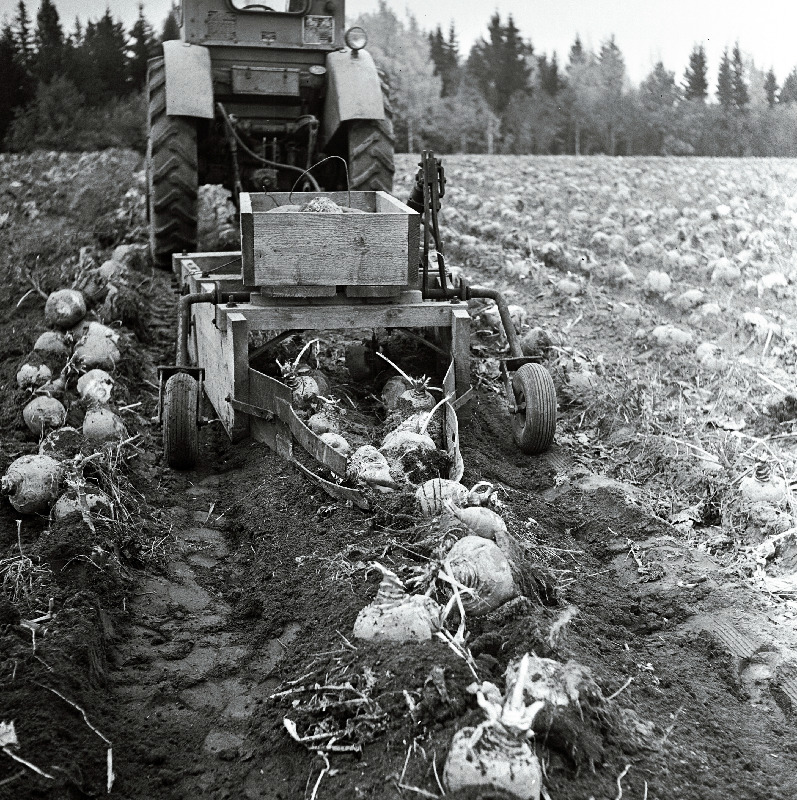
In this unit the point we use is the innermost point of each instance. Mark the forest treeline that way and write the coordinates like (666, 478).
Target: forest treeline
(84, 89)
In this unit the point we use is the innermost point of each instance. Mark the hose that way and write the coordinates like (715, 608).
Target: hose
(253, 154)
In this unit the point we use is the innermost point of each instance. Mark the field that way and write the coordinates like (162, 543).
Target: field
(658, 533)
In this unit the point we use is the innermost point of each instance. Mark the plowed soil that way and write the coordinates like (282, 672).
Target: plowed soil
(236, 592)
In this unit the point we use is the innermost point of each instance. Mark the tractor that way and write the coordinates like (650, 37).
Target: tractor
(252, 96)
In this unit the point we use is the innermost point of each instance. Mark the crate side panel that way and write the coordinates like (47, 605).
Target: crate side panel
(329, 249)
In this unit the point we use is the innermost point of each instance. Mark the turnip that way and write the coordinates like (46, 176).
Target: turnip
(93, 501)
(324, 421)
(32, 483)
(479, 521)
(496, 754)
(63, 444)
(43, 413)
(368, 465)
(481, 566)
(29, 376)
(395, 616)
(303, 386)
(64, 308)
(392, 391)
(101, 424)
(411, 436)
(336, 442)
(97, 348)
(95, 387)
(432, 495)
(414, 399)
(91, 329)
(52, 344)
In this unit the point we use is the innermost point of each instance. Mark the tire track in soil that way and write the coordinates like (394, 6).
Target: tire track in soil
(187, 677)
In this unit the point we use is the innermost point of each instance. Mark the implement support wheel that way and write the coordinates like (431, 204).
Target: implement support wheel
(180, 424)
(534, 423)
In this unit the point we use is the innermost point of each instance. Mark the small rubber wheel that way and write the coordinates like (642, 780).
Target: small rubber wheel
(180, 428)
(534, 423)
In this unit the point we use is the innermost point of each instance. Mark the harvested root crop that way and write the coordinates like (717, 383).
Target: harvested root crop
(336, 442)
(97, 348)
(101, 424)
(52, 344)
(395, 616)
(480, 567)
(304, 387)
(92, 501)
(95, 387)
(64, 308)
(496, 754)
(479, 521)
(324, 421)
(32, 483)
(392, 391)
(367, 465)
(414, 399)
(63, 444)
(432, 495)
(42, 414)
(29, 376)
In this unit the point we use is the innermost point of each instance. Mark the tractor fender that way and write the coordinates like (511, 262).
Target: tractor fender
(354, 90)
(189, 83)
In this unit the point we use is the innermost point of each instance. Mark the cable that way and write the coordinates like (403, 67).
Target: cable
(259, 158)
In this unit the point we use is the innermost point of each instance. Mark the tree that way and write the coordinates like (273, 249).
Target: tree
(105, 45)
(771, 87)
(695, 80)
(659, 96)
(49, 39)
(582, 95)
(549, 79)
(171, 26)
(143, 47)
(611, 73)
(14, 86)
(788, 92)
(725, 82)
(445, 55)
(500, 67)
(741, 97)
(22, 36)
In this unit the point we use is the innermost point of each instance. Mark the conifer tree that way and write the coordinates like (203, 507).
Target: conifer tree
(695, 80)
(171, 26)
(725, 82)
(788, 92)
(22, 36)
(49, 39)
(142, 48)
(550, 80)
(771, 87)
(741, 96)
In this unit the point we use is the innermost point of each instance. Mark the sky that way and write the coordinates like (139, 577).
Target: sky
(645, 30)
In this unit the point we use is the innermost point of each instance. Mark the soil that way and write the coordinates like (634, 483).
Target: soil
(225, 606)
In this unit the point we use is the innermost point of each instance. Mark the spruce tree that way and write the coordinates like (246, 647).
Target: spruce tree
(171, 27)
(550, 80)
(105, 45)
(49, 38)
(788, 93)
(695, 80)
(741, 96)
(22, 35)
(142, 48)
(725, 82)
(15, 84)
(771, 87)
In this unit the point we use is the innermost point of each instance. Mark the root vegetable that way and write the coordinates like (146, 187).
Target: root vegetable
(481, 566)
(368, 465)
(303, 387)
(323, 422)
(32, 483)
(496, 754)
(52, 344)
(416, 398)
(43, 413)
(432, 495)
(95, 387)
(479, 521)
(392, 391)
(94, 501)
(91, 329)
(336, 442)
(64, 308)
(398, 443)
(102, 425)
(63, 444)
(97, 348)
(395, 616)
(29, 376)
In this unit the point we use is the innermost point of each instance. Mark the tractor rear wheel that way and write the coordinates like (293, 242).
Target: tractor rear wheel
(172, 169)
(180, 423)
(371, 148)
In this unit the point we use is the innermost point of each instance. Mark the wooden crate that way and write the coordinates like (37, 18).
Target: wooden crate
(292, 248)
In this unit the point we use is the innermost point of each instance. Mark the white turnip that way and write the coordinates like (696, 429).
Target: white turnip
(304, 386)
(395, 616)
(63, 444)
(29, 376)
(95, 387)
(479, 521)
(101, 424)
(97, 348)
(52, 344)
(414, 399)
(392, 391)
(480, 566)
(32, 483)
(432, 494)
(64, 308)
(336, 442)
(496, 754)
(368, 465)
(324, 421)
(91, 500)
(410, 438)
(43, 413)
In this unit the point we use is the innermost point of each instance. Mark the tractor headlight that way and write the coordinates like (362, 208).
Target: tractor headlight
(356, 38)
